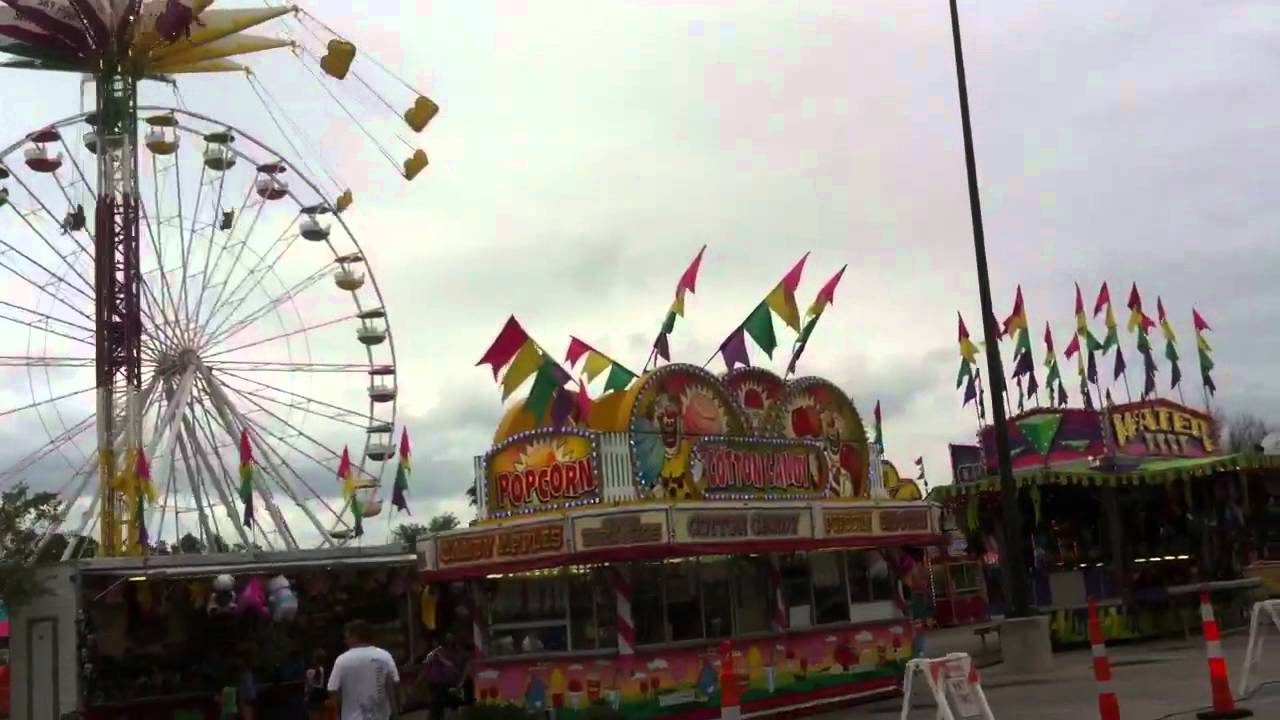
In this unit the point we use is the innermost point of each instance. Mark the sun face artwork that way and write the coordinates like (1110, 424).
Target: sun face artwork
(815, 409)
(677, 405)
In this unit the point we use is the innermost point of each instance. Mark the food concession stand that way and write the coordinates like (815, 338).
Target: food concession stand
(614, 554)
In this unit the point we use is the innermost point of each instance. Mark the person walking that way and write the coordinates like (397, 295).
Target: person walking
(365, 682)
(442, 675)
(315, 691)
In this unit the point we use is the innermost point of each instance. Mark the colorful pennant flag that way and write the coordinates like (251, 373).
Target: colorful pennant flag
(1053, 378)
(968, 356)
(1141, 324)
(688, 283)
(399, 499)
(347, 476)
(619, 377)
(1205, 352)
(1170, 345)
(920, 468)
(1082, 324)
(246, 477)
(826, 297)
(1015, 327)
(1112, 339)
(759, 324)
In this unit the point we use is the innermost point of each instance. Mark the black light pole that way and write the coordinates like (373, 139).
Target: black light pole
(1012, 563)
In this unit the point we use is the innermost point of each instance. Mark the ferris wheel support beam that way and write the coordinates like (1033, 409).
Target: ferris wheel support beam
(193, 440)
(117, 278)
(226, 414)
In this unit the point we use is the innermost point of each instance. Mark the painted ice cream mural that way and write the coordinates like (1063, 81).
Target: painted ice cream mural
(675, 682)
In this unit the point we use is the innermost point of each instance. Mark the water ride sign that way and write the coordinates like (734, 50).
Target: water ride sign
(759, 468)
(1162, 428)
(543, 470)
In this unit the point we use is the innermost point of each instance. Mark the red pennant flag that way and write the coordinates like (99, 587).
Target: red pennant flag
(827, 295)
(577, 349)
(1079, 302)
(791, 280)
(1073, 347)
(689, 280)
(1104, 299)
(505, 346)
(1048, 339)
(1199, 322)
(964, 331)
(1160, 310)
(1017, 318)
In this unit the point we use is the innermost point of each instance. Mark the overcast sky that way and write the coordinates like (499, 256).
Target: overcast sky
(585, 150)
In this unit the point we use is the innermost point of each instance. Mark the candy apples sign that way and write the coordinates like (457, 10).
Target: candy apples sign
(543, 470)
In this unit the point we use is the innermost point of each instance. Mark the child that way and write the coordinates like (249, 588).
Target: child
(315, 689)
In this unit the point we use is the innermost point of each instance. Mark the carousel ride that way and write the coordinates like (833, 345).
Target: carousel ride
(191, 329)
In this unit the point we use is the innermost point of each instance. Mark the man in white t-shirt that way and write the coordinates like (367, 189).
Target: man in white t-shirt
(365, 682)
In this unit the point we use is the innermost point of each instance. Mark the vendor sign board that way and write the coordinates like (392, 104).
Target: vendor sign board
(1161, 428)
(737, 468)
(733, 524)
(1045, 437)
(851, 522)
(543, 470)
(618, 530)
(509, 544)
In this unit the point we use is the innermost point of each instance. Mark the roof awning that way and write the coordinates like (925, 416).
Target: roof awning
(264, 563)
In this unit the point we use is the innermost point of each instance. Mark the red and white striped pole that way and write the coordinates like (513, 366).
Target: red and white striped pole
(778, 612)
(1224, 705)
(626, 625)
(1108, 705)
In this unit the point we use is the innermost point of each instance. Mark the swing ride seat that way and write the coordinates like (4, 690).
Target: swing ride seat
(312, 230)
(271, 188)
(382, 393)
(370, 335)
(219, 158)
(348, 280)
(379, 451)
(161, 143)
(4, 196)
(38, 159)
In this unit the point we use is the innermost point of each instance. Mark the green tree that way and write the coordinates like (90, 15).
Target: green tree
(24, 518)
(442, 522)
(1245, 433)
(191, 545)
(410, 533)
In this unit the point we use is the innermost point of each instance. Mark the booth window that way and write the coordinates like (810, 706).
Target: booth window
(752, 594)
(647, 610)
(717, 596)
(592, 611)
(830, 603)
(684, 600)
(869, 577)
(797, 590)
(529, 614)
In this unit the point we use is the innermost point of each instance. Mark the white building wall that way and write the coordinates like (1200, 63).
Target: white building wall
(42, 646)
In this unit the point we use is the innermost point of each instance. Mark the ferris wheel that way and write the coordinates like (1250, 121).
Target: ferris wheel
(258, 311)
(189, 329)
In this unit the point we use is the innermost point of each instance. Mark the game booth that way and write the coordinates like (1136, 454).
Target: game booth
(614, 553)
(1135, 505)
(158, 637)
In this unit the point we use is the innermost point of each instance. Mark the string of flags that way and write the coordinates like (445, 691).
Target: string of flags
(399, 490)
(347, 476)
(759, 324)
(1084, 347)
(515, 357)
(619, 377)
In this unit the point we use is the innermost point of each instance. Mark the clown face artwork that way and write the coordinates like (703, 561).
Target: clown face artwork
(817, 410)
(672, 411)
(756, 390)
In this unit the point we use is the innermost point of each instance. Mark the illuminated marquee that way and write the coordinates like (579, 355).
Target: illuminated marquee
(510, 544)
(1162, 428)
(734, 468)
(543, 470)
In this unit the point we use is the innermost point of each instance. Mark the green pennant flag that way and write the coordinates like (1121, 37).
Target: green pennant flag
(759, 326)
(1040, 430)
(1054, 377)
(544, 388)
(1171, 352)
(1144, 344)
(619, 378)
(1206, 362)
(966, 372)
(1091, 342)
(669, 323)
(358, 512)
(1110, 341)
(807, 330)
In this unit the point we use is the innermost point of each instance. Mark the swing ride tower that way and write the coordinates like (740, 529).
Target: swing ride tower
(117, 321)
(173, 293)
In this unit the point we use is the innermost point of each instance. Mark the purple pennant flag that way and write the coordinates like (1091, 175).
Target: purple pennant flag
(562, 407)
(734, 350)
(1092, 372)
(175, 21)
(660, 346)
(970, 391)
(1120, 366)
(1023, 366)
(1033, 385)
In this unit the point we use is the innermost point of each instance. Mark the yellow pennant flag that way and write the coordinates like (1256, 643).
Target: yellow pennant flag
(783, 303)
(677, 305)
(526, 363)
(596, 364)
